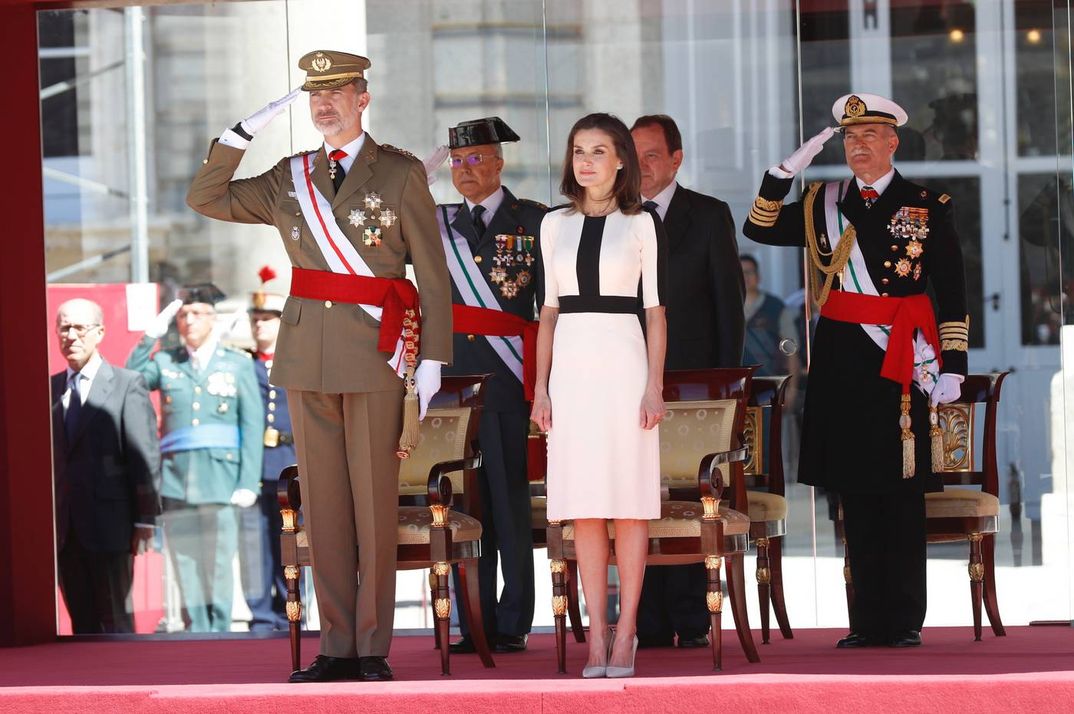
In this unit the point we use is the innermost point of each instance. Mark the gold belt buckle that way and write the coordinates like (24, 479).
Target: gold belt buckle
(272, 437)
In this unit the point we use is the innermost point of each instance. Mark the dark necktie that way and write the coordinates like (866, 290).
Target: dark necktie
(869, 195)
(74, 407)
(649, 205)
(335, 169)
(479, 223)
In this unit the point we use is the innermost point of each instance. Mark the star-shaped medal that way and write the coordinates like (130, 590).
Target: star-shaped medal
(902, 268)
(914, 249)
(372, 200)
(371, 236)
(356, 217)
(387, 217)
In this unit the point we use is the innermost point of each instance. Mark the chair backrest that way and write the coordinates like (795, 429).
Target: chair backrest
(958, 421)
(764, 433)
(706, 414)
(448, 432)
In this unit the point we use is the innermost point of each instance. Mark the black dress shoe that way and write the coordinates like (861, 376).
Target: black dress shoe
(907, 638)
(693, 642)
(650, 641)
(854, 639)
(505, 644)
(374, 669)
(327, 669)
(463, 646)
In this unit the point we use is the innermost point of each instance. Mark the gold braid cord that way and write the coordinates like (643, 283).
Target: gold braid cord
(837, 258)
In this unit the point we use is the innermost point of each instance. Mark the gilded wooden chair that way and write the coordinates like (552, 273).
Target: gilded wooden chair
(968, 507)
(701, 453)
(440, 473)
(766, 496)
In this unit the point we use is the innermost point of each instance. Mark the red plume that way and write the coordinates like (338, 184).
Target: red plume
(266, 274)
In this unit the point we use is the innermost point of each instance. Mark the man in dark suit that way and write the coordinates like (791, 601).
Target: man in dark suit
(706, 328)
(492, 243)
(106, 466)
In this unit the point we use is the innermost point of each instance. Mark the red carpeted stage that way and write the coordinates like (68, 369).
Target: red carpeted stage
(1032, 669)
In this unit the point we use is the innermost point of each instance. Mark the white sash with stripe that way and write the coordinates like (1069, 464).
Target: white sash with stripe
(474, 289)
(856, 279)
(336, 248)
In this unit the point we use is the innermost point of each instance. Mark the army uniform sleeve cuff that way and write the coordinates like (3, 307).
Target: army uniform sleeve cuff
(230, 138)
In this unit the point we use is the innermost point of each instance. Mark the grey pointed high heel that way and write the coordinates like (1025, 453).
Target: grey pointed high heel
(596, 671)
(620, 672)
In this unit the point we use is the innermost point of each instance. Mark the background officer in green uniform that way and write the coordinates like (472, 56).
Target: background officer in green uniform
(210, 450)
(492, 243)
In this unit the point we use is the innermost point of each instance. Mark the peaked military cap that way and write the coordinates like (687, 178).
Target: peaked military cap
(490, 130)
(328, 69)
(201, 293)
(851, 109)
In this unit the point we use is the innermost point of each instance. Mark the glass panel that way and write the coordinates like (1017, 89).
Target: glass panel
(1042, 53)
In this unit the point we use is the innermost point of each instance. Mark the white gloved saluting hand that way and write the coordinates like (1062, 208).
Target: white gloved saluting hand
(261, 118)
(427, 382)
(803, 156)
(159, 326)
(948, 388)
(433, 161)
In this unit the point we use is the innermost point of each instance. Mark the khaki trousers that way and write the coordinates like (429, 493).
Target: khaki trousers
(349, 477)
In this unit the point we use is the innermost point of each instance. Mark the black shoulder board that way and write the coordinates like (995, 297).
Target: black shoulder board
(530, 202)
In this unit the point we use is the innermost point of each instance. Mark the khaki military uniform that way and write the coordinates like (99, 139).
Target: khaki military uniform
(346, 402)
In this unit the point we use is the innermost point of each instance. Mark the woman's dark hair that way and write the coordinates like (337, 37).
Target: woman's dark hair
(627, 187)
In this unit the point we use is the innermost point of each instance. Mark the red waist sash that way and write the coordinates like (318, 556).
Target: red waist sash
(397, 296)
(497, 323)
(904, 314)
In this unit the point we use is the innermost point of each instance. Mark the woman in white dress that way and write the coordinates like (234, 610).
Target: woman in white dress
(599, 379)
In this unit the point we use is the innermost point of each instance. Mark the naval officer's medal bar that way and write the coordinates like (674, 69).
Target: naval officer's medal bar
(512, 262)
(911, 224)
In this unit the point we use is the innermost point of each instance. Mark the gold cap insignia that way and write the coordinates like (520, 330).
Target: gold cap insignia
(320, 62)
(855, 107)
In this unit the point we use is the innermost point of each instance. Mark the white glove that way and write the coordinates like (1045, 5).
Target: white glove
(159, 326)
(948, 388)
(243, 498)
(803, 155)
(427, 381)
(433, 161)
(260, 119)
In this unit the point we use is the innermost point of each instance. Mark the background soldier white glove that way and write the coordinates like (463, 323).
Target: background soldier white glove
(948, 388)
(427, 381)
(159, 326)
(433, 161)
(243, 498)
(803, 156)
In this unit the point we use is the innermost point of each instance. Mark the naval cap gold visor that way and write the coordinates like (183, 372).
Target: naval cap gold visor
(851, 109)
(328, 69)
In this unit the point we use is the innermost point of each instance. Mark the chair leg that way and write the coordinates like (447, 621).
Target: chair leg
(470, 598)
(559, 611)
(764, 579)
(736, 590)
(432, 599)
(294, 614)
(976, 582)
(848, 581)
(574, 610)
(714, 601)
(779, 603)
(991, 602)
(442, 613)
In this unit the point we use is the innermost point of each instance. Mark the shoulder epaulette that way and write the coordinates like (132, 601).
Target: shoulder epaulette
(239, 351)
(303, 153)
(397, 150)
(531, 202)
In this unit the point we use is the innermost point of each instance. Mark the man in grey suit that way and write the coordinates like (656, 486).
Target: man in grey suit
(106, 459)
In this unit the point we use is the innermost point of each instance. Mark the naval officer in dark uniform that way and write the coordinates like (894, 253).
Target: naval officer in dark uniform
(492, 242)
(875, 243)
(263, 583)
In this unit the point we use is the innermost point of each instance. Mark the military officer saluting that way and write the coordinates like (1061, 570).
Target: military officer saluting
(880, 364)
(210, 447)
(348, 213)
(492, 243)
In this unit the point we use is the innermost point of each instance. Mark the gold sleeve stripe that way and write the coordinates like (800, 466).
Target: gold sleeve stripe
(762, 221)
(955, 345)
(766, 205)
(764, 213)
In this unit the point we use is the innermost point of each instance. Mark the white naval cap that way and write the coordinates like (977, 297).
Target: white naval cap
(852, 109)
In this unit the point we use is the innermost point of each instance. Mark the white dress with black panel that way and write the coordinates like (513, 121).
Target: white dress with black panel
(601, 463)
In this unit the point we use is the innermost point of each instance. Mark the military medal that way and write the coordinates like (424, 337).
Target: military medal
(387, 217)
(902, 268)
(295, 232)
(371, 236)
(356, 218)
(222, 409)
(914, 249)
(373, 200)
(512, 252)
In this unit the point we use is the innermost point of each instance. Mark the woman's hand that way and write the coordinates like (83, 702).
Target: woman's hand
(652, 408)
(542, 412)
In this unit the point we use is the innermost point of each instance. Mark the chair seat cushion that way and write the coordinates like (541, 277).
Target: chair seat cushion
(680, 519)
(961, 503)
(766, 506)
(414, 525)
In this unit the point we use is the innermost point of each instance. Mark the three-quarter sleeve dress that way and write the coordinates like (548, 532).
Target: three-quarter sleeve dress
(598, 271)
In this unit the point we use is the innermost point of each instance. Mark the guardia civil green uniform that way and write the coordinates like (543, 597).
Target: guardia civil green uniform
(212, 424)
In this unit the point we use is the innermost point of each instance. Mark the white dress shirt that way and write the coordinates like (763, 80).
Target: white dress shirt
(352, 150)
(200, 357)
(491, 203)
(86, 377)
(880, 184)
(662, 199)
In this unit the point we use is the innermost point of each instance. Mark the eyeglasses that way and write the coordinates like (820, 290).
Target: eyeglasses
(80, 330)
(195, 314)
(472, 159)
